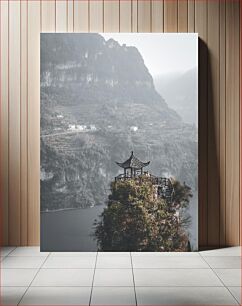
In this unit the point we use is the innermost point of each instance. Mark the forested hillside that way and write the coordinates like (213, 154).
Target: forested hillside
(98, 102)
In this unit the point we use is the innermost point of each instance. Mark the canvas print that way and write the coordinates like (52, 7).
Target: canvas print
(119, 142)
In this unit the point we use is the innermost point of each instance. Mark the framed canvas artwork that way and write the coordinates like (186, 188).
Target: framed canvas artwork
(119, 142)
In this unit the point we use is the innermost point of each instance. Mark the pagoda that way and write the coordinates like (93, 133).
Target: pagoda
(133, 167)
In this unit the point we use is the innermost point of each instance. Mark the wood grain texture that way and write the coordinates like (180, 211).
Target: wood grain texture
(70, 15)
(182, 16)
(125, 16)
(222, 120)
(144, 16)
(157, 16)
(201, 28)
(96, 16)
(61, 16)
(191, 16)
(33, 122)
(24, 124)
(134, 20)
(213, 123)
(232, 121)
(111, 16)
(14, 122)
(48, 16)
(171, 15)
(81, 16)
(4, 122)
(240, 129)
(217, 23)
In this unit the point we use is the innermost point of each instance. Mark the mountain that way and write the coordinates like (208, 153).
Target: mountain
(180, 92)
(84, 69)
(98, 103)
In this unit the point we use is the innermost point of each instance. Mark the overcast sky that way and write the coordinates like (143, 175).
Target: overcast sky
(162, 53)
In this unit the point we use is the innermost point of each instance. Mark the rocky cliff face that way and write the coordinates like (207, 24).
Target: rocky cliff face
(98, 102)
(84, 70)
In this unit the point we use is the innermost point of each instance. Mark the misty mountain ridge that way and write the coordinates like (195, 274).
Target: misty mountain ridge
(116, 73)
(99, 102)
(180, 92)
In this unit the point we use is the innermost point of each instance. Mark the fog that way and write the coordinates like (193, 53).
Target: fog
(171, 53)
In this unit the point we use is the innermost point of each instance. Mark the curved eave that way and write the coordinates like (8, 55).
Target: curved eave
(120, 164)
(141, 166)
(146, 164)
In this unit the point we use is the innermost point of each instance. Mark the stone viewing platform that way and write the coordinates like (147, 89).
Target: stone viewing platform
(133, 169)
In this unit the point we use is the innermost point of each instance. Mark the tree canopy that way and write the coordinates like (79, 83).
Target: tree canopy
(136, 219)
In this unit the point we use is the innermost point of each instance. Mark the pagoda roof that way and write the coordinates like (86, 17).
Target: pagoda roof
(133, 162)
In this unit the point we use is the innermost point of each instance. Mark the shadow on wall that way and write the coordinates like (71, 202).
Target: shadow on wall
(208, 153)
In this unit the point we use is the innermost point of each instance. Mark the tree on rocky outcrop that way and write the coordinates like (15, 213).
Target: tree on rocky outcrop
(136, 219)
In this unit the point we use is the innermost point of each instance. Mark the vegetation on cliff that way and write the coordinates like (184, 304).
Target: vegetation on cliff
(136, 219)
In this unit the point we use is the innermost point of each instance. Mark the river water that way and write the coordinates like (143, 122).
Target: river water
(72, 230)
(69, 230)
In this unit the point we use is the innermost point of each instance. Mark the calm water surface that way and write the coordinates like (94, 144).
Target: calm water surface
(72, 230)
(69, 230)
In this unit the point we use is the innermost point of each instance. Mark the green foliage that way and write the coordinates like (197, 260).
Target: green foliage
(83, 164)
(135, 219)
